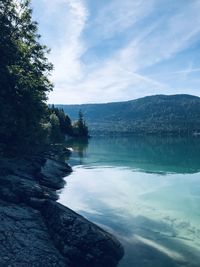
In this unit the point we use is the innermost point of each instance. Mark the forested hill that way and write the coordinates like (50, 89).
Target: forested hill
(162, 114)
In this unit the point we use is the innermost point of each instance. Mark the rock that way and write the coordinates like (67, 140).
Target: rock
(81, 241)
(25, 240)
(37, 231)
(52, 173)
(16, 189)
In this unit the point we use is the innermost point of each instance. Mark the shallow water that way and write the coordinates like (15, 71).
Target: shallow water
(146, 191)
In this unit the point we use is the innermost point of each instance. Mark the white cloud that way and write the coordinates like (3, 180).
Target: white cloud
(67, 51)
(117, 76)
(170, 35)
(119, 15)
(110, 81)
(184, 73)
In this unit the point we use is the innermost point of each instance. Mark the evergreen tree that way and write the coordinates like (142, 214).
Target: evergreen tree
(80, 128)
(24, 71)
(64, 120)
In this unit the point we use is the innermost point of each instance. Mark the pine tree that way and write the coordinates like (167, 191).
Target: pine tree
(80, 128)
(64, 120)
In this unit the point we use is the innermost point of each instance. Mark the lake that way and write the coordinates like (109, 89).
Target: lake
(145, 191)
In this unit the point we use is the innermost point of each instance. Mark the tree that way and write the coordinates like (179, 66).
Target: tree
(24, 71)
(80, 128)
(64, 120)
(55, 133)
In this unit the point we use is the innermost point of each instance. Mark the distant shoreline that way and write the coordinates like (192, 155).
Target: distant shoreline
(151, 115)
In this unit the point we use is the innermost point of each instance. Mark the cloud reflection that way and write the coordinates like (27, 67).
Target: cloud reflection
(155, 216)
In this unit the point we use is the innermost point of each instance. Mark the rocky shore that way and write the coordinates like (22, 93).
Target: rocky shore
(37, 231)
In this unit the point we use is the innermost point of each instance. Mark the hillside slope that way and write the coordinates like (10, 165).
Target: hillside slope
(162, 114)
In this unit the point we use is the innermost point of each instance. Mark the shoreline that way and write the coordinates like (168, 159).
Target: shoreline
(36, 230)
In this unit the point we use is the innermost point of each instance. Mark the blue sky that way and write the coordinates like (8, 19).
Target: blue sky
(116, 50)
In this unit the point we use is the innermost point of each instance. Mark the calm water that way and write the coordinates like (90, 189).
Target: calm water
(146, 191)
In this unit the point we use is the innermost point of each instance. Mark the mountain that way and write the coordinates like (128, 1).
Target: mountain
(158, 114)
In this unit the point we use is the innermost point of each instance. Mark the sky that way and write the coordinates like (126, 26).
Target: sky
(118, 50)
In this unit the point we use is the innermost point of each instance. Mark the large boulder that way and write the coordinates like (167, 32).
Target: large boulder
(24, 239)
(80, 241)
(37, 231)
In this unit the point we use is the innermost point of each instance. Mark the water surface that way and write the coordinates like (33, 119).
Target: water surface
(146, 191)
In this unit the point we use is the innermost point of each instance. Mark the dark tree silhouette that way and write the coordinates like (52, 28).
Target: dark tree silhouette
(24, 71)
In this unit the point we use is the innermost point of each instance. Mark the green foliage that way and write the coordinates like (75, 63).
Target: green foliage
(25, 118)
(55, 133)
(61, 125)
(24, 71)
(80, 128)
(64, 120)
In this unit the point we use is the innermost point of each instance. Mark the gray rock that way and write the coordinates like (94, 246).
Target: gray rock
(24, 238)
(81, 241)
(37, 231)
(52, 173)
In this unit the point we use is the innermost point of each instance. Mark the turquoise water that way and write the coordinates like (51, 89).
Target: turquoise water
(146, 191)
